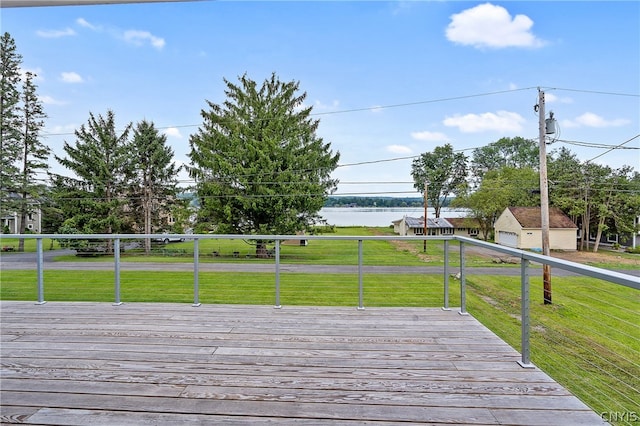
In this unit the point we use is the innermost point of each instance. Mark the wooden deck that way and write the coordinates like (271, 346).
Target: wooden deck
(139, 363)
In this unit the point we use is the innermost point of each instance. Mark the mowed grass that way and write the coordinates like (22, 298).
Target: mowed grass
(588, 339)
(228, 288)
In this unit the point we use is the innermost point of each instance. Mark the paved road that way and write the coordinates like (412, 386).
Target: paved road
(26, 261)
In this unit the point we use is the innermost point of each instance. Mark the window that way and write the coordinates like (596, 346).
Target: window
(446, 231)
(473, 231)
(418, 231)
(612, 238)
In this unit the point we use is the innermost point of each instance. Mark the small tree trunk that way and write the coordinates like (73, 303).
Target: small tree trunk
(261, 250)
(598, 234)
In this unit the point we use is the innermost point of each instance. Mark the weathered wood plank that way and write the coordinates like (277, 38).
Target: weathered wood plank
(70, 363)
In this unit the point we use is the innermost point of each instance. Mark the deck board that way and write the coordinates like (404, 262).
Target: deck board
(141, 363)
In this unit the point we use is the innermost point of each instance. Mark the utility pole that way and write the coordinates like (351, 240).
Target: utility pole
(426, 187)
(544, 197)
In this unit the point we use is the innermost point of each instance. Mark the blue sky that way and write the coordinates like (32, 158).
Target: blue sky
(388, 80)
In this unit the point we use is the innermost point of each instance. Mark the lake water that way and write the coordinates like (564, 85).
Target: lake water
(374, 216)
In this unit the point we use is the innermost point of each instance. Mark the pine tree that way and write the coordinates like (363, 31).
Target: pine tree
(154, 184)
(259, 165)
(100, 158)
(10, 127)
(34, 153)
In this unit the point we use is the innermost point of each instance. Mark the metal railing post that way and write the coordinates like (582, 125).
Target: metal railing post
(278, 305)
(525, 314)
(463, 281)
(360, 289)
(446, 276)
(116, 259)
(40, 269)
(196, 272)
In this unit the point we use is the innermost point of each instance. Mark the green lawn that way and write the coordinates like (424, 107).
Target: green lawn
(588, 340)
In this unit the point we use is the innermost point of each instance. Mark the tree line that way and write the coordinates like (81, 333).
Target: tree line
(260, 168)
(598, 198)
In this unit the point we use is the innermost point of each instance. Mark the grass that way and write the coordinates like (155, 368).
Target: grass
(228, 288)
(588, 340)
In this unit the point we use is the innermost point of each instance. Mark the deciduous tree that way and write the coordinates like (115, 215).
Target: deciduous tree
(445, 173)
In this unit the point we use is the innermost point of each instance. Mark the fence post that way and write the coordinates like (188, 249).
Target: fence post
(40, 268)
(196, 272)
(446, 276)
(278, 305)
(525, 314)
(463, 282)
(116, 258)
(360, 289)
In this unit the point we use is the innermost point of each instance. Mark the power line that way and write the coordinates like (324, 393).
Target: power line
(374, 108)
(615, 147)
(596, 92)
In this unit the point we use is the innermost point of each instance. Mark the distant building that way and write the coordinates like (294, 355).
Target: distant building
(520, 227)
(11, 220)
(436, 227)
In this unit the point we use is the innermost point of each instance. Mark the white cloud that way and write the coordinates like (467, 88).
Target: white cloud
(326, 107)
(71, 77)
(56, 33)
(173, 132)
(502, 121)
(551, 98)
(63, 129)
(140, 38)
(429, 136)
(589, 119)
(48, 100)
(399, 149)
(487, 25)
(86, 24)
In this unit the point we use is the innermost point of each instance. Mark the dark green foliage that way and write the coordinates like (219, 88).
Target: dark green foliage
(443, 171)
(153, 185)
(514, 152)
(101, 160)
(259, 165)
(10, 122)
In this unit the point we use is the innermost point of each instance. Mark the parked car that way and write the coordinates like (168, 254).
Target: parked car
(169, 239)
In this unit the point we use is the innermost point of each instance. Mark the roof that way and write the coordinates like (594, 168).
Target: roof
(439, 222)
(463, 222)
(529, 217)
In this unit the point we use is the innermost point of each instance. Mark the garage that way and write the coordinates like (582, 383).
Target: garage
(509, 239)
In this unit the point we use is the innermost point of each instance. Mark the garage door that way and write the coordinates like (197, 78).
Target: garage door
(509, 239)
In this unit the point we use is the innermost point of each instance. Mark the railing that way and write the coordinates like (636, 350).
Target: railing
(596, 361)
(525, 259)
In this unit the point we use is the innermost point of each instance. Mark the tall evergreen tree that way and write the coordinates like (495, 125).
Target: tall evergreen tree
(34, 154)
(10, 128)
(154, 183)
(259, 165)
(100, 158)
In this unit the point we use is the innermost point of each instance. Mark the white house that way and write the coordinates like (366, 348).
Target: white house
(520, 227)
(437, 226)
